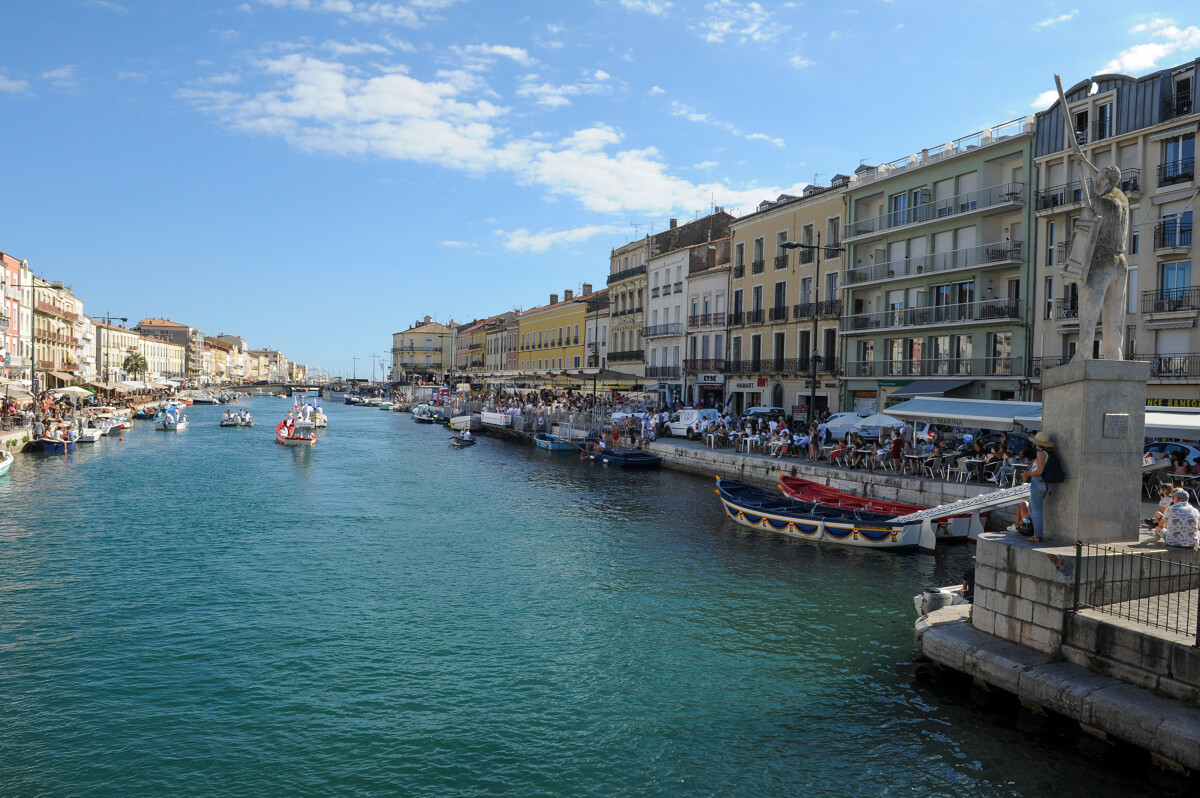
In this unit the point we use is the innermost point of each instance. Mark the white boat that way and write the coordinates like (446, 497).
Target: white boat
(205, 399)
(374, 401)
(6, 460)
(301, 434)
(90, 435)
(170, 422)
(321, 420)
(385, 405)
(470, 421)
(937, 597)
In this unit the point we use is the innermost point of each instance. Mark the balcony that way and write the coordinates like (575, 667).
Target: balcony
(474, 347)
(829, 307)
(737, 318)
(1103, 129)
(660, 330)
(833, 251)
(1172, 235)
(663, 372)
(1071, 193)
(654, 292)
(1171, 172)
(679, 287)
(617, 277)
(4, 322)
(754, 316)
(704, 364)
(781, 261)
(1004, 194)
(706, 320)
(1039, 364)
(939, 367)
(987, 310)
(1000, 253)
(777, 313)
(629, 356)
(1061, 249)
(806, 255)
(739, 270)
(54, 310)
(756, 267)
(1171, 300)
(804, 310)
(1066, 309)
(1175, 105)
(1172, 367)
(784, 365)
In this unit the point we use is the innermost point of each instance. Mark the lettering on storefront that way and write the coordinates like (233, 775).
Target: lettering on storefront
(1173, 403)
(745, 385)
(711, 379)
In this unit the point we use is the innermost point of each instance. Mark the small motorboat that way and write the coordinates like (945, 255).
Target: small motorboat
(422, 414)
(552, 443)
(170, 423)
(625, 458)
(300, 434)
(457, 442)
(90, 435)
(937, 597)
(205, 399)
(144, 415)
(374, 401)
(52, 446)
(6, 461)
(386, 405)
(774, 512)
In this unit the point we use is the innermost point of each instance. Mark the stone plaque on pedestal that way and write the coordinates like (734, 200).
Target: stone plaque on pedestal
(1095, 412)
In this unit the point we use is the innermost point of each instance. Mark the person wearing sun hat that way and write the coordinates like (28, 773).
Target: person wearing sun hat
(1178, 524)
(1038, 488)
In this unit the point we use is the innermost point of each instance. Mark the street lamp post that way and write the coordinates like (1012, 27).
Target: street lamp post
(816, 356)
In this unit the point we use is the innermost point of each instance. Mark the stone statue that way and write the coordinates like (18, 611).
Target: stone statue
(1096, 259)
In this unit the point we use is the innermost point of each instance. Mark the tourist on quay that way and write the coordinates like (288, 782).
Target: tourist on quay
(1178, 526)
(1024, 523)
(1038, 484)
(1164, 501)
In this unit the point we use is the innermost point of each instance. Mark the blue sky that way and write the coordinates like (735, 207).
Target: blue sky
(316, 174)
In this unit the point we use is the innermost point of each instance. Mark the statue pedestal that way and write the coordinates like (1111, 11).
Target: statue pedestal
(1095, 412)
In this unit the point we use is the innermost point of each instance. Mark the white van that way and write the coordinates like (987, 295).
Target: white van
(687, 422)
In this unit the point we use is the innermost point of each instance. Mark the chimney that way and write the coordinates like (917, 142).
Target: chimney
(554, 299)
(587, 288)
(674, 223)
(568, 294)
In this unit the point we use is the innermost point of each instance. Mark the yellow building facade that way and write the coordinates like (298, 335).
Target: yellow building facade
(551, 338)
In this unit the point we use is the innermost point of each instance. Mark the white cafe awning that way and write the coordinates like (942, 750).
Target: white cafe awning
(1159, 424)
(982, 413)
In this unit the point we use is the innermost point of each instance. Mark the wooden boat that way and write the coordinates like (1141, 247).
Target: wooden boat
(52, 446)
(298, 435)
(544, 440)
(763, 509)
(953, 526)
(6, 461)
(625, 458)
(458, 443)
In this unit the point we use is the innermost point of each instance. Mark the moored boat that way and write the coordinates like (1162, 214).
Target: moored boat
(951, 526)
(544, 440)
(762, 509)
(320, 420)
(457, 442)
(52, 446)
(90, 435)
(6, 461)
(469, 421)
(935, 598)
(172, 425)
(625, 458)
(385, 405)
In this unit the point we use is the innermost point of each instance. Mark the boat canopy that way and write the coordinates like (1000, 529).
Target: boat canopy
(981, 413)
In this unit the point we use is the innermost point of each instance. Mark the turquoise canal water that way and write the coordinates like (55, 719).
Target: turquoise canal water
(207, 613)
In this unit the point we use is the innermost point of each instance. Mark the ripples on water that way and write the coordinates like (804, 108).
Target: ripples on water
(208, 613)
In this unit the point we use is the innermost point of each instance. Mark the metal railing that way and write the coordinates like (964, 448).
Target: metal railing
(997, 254)
(968, 143)
(781, 365)
(704, 364)
(737, 318)
(829, 307)
(756, 267)
(930, 367)
(659, 330)
(706, 320)
(991, 309)
(781, 261)
(1176, 171)
(1149, 589)
(806, 255)
(679, 287)
(833, 250)
(1168, 235)
(626, 274)
(1039, 364)
(1171, 367)
(1070, 193)
(1168, 300)
(415, 349)
(739, 270)
(662, 371)
(1065, 309)
(754, 316)
(1001, 194)
(654, 292)
(804, 310)
(628, 356)
(779, 313)
(1176, 105)
(1103, 129)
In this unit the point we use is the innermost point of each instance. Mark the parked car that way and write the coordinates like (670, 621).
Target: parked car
(1017, 440)
(763, 411)
(923, 433)
(687, 422)
(1169, 448)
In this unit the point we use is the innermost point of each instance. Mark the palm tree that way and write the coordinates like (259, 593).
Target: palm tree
(135, 363)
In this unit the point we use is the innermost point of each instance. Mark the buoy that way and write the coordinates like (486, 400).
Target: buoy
(120, 437)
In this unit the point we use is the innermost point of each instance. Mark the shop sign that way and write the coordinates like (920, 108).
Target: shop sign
(893, 383)
(1173, 403)
(710, 379)
(745, 385)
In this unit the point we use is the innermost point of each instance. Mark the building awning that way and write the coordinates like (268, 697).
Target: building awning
(982, 413)
(1159, 424)
(928, 388)
(58, 375)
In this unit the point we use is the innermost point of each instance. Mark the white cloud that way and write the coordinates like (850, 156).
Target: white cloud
(553, 96)
(12, 86)
(656, 90)
(481, 56)
(1044, 100)
(706, 165)
(64, 77)
(1050, 22)
(226, 35)
(656, 7)
(106, 5)
(456, 244)
(411, 14)
(1146, 56)
(354, 47)
(600, 74)
(223, 79)
(323, 106)
(245, 8)
(800, 62)
(522, 240)
(747, 22)
(134, 77)
(692, 115)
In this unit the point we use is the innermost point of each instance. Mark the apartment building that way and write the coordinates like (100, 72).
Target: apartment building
(10, 317)
(550, 341)
(425, 351)
(707, 289)
(937, 267)
(57, 324)
(1147, 128)
(784, 301)
(596, 320)
(627, 289)
(165, 360)
(190, 338)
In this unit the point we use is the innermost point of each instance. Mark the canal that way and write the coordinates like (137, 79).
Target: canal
(208, 613)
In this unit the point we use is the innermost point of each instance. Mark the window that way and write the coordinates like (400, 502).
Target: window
(804, 344)
(1050, 243)
(778, 351)
(780, 295)
(831, 285)
(1134, 239)
(1081, 126)
(758, 249)
(718, 345)
(899, 208)
(894, 349)
(428, 360)
(1131, 341)
(1176, 280)
(1104, 121)
(1178, 164)
(1001, 354)
(428, 344)
(780, 238)
(737, 348)
(1049, 298)
(806, 287)
(737, 302)
(758, 297)
(756, 352)
(832, 226)
(914, 350)
(1175, 230)
(739, 255)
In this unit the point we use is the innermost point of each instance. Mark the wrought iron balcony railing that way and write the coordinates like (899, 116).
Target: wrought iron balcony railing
(1171, 300)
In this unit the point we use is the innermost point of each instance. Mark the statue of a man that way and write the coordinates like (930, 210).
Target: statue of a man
(1097, 254)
